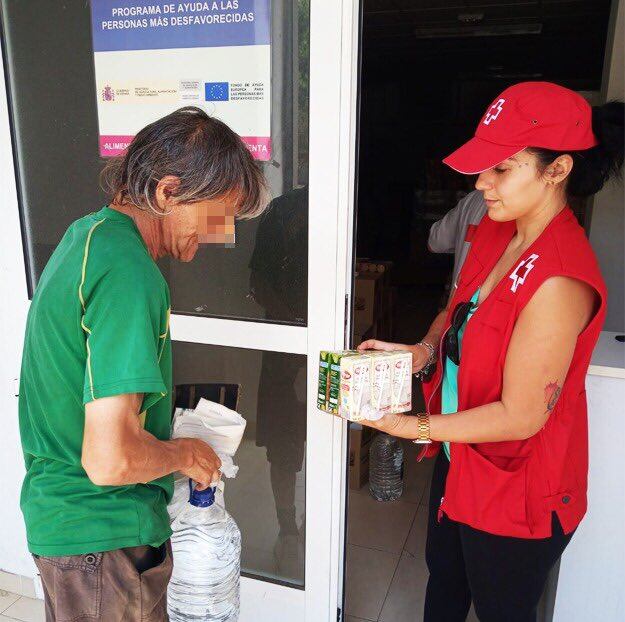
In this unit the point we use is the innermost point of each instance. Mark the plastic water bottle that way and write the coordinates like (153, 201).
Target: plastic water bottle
(206, 546)
(386, 468)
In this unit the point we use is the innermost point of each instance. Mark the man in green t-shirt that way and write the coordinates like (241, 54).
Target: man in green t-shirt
(96, 380)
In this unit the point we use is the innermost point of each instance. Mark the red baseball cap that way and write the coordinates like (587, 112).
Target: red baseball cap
(528, 114)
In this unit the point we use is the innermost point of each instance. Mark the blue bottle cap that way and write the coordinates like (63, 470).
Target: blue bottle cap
(201, 498)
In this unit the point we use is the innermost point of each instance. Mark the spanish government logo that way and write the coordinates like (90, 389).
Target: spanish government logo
(108, 94)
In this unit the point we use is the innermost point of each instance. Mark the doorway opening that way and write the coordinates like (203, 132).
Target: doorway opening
(429, 69)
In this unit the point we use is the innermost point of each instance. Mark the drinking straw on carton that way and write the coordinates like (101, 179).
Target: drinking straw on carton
(386, 371)
(396, 397)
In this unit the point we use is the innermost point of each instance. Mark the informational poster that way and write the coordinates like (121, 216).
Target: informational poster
(152, 57)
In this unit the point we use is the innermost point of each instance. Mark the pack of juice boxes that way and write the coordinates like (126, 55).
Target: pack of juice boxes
(365, 385)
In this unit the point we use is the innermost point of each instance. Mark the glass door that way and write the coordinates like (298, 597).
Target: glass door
(248, 321)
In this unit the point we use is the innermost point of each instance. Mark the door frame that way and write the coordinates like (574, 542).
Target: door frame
(334, 38)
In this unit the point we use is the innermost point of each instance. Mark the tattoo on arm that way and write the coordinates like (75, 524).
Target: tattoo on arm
(552, 392)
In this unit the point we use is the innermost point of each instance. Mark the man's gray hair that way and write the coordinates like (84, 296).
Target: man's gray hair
(208, 158)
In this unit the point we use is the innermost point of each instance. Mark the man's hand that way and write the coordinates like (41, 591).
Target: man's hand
(117, 451)
(204, 463)
(420, 354)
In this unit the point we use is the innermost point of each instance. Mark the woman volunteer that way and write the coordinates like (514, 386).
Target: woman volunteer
(509, 487)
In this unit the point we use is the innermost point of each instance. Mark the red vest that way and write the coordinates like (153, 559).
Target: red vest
(510, 488)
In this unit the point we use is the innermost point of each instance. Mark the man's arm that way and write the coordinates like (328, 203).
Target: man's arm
(117, 451)
(444, 232)
(420, 353)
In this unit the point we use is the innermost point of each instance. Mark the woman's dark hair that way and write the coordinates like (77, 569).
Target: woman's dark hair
(208, 158)
(593, 167)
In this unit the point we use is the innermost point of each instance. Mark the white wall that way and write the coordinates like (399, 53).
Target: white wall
(591, 584)
(13, 302)
(607, 226)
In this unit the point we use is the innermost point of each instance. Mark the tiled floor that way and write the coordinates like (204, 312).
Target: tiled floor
(386, 573)
(14, 607)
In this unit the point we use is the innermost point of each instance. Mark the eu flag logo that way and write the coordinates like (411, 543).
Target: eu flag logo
(216, 91)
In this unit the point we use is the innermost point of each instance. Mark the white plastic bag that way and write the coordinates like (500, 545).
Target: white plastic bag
(221, 427)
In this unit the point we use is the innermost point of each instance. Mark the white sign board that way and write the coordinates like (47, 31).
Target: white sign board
(152, 57)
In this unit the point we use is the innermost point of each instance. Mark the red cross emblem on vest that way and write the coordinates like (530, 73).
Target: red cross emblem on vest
(521, 271)
(493, 111)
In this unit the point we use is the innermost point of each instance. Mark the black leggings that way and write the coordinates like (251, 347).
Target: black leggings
(505, 577)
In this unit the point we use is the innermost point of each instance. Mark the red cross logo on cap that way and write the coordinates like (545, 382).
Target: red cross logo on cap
(493, 111)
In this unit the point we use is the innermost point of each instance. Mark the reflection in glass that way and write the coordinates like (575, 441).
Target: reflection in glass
(267, 498)
(278, 276)
(56, 143)
(220, 281)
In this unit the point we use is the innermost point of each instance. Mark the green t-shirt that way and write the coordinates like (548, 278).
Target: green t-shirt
(98, 326)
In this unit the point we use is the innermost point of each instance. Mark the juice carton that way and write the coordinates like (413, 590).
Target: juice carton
(355, 386)
(323, 394)
(401, 384)
(381, 380)
(368, 385)
(335, 379)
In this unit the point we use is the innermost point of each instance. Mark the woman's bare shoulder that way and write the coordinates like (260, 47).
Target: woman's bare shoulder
(569, 299)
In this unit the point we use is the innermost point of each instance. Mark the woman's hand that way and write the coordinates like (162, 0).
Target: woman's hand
(390, 423)
(420, 354)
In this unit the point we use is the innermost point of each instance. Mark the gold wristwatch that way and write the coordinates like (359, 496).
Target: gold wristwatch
(423, 429)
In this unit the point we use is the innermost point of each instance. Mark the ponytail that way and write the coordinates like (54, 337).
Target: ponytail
(593, 167)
